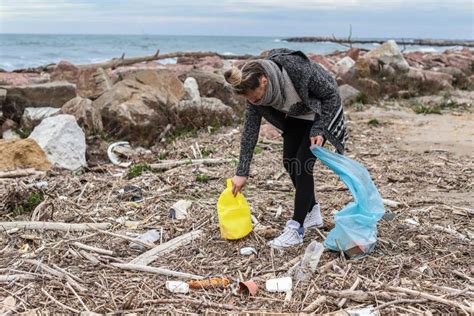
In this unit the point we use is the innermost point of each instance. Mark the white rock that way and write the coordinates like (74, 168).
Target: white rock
(247, 251)
(343, 65)
(388, 53)
(33, 116)
(348, 94)
(191, 90)
(10, 134)
(62, 140)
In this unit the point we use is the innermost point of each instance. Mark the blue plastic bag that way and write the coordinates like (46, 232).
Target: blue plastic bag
(355, 230)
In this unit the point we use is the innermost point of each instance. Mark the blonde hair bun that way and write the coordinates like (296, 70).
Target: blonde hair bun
(233, 76)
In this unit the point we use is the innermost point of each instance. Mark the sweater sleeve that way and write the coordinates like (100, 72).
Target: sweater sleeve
(248, 139)
(324, 100)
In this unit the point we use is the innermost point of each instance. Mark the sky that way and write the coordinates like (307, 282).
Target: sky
(450, 19)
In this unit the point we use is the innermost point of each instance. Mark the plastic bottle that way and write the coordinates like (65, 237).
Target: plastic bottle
(310, 261)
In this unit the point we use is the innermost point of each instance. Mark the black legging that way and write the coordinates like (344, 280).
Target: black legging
(299, 162)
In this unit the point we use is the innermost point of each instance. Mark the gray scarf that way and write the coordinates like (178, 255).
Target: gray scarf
(275, 93)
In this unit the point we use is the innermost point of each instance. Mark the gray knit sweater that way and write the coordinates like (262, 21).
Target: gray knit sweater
(319, 94)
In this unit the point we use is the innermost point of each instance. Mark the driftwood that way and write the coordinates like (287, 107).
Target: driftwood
(21, 173)
(16, 277)
(167, 272)
(59, 303)
(53, 226)
(135, 240)
(94, 249)
(420, 42)
(311, 307)
(176, 163)
(192, 302)
(151, 255)
(343, 301)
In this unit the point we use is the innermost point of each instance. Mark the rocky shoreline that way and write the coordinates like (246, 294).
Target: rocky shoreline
(145, 103)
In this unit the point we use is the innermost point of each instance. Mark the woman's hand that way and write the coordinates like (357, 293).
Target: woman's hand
(238, 182)
(317, 140)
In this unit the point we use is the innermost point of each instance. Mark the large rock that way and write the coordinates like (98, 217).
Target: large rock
(134, 111)
(268, 131)
(33, 116)
(22, 153)
(348, 94)
(191, 90)
(210, 111)
(343, 65)
(353, 53)
(87, 116)
(52, 94)
(214, 86)
(90, 82)
(389, 54)
(163, 81)
(322, 60)
(62, 140)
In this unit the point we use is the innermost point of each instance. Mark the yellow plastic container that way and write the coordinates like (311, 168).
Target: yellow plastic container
(234, 214)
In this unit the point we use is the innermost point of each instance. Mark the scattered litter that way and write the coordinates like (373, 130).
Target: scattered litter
(248, 287)
(177, 287)
(389, 216)
(212, 283)
(247, 251)
(279, 285)
(391, 203)
(131, 224)
(42, 185)
(121, 219)
(150, 237)
(411, 222)
(278, 212)
(310, 261)
(131, 193)
(113, 157)
(179, 210)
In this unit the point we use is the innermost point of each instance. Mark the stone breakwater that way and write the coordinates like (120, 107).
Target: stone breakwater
(68, 106)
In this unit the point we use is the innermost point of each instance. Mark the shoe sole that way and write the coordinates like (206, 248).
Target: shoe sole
(314, 226)
(280, 247)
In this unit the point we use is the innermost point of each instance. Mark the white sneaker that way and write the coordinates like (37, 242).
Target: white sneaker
(292, 236)
(313, 218)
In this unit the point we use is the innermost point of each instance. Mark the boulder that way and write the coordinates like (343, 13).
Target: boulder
(389, 54)
(209, 63)
(3, 96)
(14, 79)
(348, 94)
(210, 111)
(459, 77)
(10, 134)
(343, 65)
(87, 116)
(33, 116)
(134, 111)
(163, 81)
(322, 60)
(22, 154)
(438, 79)
(369, 87)
(353, 53)
(191, 90)
(90, 82)
(62, 140)
(214, 86)
(52, 94)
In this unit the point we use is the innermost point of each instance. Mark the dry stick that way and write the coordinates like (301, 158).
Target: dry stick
(94, 249)
(400, 301)
(78, 297)
(21, 173)
(53, 226)
(59, 303)
(151, 255)
(143, 268)
(432, 298)
(16, 277)
(343, 301)
(173, 164)
(192, 302)
(89, 257)
(313, 305)
(135, 240)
